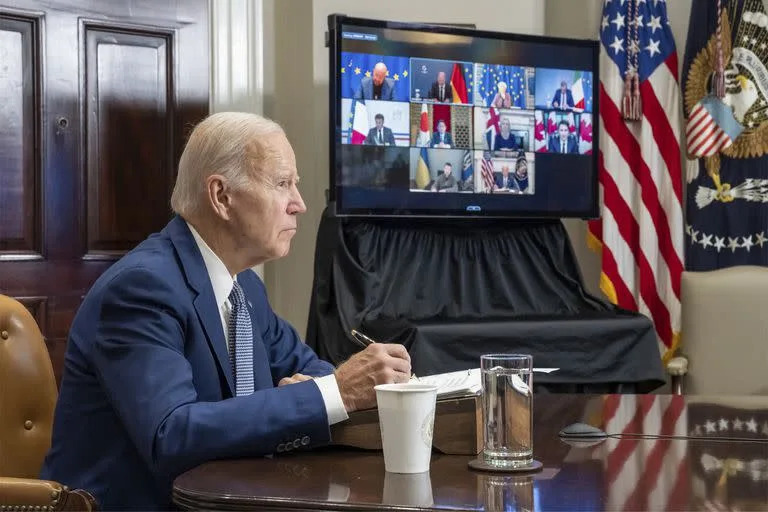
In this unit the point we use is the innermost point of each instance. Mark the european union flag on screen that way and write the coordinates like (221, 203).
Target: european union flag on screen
(727, 197)
(357, 72)
(489, 77)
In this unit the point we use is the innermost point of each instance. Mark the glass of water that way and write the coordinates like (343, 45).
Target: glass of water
(507, 409)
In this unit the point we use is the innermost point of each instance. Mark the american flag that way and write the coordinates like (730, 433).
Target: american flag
(640, 233)
(487, 172)
(645, 474)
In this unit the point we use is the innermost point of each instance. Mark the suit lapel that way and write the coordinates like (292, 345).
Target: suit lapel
(205, 301)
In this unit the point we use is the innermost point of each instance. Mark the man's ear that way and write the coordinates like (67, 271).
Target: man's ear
(218, 195)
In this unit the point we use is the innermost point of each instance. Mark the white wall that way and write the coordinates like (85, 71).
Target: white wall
(296, 95)
(580, 19)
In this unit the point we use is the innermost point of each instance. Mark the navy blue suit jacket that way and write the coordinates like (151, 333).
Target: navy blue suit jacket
(147, 389)
(571, 146)
(558, 97)
(447, 138)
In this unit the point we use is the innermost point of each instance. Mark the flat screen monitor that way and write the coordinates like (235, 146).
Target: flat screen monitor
(440, 121)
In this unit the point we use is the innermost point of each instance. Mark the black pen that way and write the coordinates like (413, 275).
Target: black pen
(363, 340)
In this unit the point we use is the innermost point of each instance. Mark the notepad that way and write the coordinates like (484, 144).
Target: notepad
(462, 383)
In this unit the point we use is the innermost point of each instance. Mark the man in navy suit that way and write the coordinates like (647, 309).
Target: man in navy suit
(441, 138)
(377, 86)
(380, 135)
(175, 357)
(563, 98)
(563, 142)
(504, 181)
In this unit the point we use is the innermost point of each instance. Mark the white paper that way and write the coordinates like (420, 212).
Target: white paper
(462, 382)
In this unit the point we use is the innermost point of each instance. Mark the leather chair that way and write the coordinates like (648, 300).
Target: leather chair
(724, 331)
(27, 399)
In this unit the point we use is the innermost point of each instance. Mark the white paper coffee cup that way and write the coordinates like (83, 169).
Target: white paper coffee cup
(406, 420)
(408, 490)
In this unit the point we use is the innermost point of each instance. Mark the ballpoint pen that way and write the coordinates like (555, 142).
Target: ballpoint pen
(363, 340)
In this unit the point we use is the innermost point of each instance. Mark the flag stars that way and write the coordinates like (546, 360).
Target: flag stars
(368, 74)
(654, 24)
(357, 71)
(639, 21)
(710, 426)
(763, 46)
(618, 21)
(343, 70)
(765, 428)
(747, 244)
(653, 47)
(719, 243)
(745, 39)
(733, 243)
(761, 239)
(694, 236)
(751, 425)
(617, 45)
(722, 424)
(405, 74)
(706, 240)
(604, 24)
(753, 41)
(396, 77)
(738, 424)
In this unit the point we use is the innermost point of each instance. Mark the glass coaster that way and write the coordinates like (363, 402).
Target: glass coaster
(481, 465)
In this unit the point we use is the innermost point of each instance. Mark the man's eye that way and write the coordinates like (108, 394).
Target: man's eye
(284, 184)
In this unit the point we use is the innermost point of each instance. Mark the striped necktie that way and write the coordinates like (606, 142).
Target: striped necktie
(241, 342)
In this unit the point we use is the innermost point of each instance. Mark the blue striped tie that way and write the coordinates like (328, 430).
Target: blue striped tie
(241, 342)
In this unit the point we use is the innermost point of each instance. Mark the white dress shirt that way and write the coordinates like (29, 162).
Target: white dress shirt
(222, 283)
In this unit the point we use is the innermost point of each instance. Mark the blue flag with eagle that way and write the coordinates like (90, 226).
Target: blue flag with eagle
(356, 66)
(726, 106)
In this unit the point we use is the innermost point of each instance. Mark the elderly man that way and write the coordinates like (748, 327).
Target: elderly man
(175, 356)
(377, 86)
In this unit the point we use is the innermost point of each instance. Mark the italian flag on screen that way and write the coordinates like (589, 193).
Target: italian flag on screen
(578, 91)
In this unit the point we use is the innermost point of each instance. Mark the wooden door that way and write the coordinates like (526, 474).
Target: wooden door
(96, 99)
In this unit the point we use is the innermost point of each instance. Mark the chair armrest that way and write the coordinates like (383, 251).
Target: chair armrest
(29, 494)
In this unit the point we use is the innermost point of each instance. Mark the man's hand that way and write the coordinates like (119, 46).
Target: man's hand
(379, 363)
(297, 377)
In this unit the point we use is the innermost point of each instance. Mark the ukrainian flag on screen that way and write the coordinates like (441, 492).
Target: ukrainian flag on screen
(356, 66)
(423, 177)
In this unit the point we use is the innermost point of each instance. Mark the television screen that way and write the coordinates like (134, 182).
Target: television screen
(431, 120)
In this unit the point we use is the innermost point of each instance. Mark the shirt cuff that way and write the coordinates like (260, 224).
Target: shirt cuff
(334, 406)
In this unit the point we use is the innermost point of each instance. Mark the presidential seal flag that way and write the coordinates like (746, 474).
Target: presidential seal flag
(640, 232)
(726, 106)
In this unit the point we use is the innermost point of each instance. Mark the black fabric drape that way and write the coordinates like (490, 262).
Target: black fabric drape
(453, 290)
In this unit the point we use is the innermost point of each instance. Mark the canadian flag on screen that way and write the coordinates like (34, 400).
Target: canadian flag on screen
(359, 123)
(585, 134)
(540, 133)
(552, 123)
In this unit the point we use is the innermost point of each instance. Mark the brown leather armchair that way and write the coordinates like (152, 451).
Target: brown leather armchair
(27, 400)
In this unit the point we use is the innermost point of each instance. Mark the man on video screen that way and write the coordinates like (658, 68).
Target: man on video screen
(380, 135)
(377, 86)
(446, 182)
(441, 138)
(563, 99)
(441, 91)
(563, 141)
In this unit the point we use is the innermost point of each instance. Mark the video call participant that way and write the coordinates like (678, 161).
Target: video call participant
(446, 182)
(502, 98)
(149, 387)
(505, 140)
(504, 180)
(377, 86)
(521, 174)
(563, 142)
(441, 138)
(563, 99)
(441, 91)
(379, 135)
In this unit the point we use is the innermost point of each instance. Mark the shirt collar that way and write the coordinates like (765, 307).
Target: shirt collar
(221, 280)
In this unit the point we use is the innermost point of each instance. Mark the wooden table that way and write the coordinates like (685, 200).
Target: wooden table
(725, 467)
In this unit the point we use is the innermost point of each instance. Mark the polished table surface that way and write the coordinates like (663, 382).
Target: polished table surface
(721, 464)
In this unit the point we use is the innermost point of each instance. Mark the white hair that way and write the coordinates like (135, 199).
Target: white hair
(228, 143)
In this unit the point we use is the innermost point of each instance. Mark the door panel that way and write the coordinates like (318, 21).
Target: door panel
(96, 100)
(20, 215)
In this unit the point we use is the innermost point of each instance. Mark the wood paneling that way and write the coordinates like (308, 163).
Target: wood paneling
(96, 100)
(129, 180)
(20, 215)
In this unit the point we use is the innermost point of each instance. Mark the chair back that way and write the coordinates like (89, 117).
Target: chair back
(27, 392)
(724, 330)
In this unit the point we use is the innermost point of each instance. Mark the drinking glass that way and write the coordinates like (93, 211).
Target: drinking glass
(507, 409)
